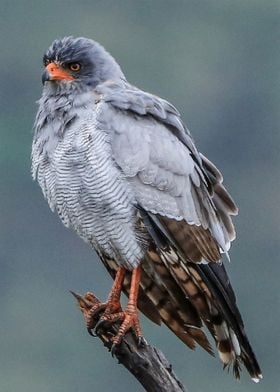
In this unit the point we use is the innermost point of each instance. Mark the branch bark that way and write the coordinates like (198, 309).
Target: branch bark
(146, 363)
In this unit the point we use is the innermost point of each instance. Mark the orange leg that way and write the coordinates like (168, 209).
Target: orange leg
(130, 316)
(113, 312)
(113, 302)
(112, 307)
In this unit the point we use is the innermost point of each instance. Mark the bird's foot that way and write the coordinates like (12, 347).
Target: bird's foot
(90, 307)
(129, 320)
(112, 312)
(108, 320)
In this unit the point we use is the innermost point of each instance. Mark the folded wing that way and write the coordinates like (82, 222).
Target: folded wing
(187, 211)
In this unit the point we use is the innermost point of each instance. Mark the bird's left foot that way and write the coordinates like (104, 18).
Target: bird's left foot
(112, 311)
(129, 320)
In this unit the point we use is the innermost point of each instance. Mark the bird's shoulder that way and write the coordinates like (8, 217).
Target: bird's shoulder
(125, 96)
(122, 102)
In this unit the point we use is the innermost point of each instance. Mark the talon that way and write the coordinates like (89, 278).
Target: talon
(113, 349)
(141, 342)
(90, 331)
(99, 324)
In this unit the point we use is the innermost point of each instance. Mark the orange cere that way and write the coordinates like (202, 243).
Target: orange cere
(58, 73)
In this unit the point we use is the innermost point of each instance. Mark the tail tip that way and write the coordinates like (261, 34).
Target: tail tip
(258, 378)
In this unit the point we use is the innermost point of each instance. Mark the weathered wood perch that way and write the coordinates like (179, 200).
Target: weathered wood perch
(147, 364)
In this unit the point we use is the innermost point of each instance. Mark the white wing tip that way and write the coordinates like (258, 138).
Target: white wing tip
(258, 378)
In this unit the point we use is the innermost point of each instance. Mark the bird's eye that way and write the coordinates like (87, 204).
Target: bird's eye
(75, 67)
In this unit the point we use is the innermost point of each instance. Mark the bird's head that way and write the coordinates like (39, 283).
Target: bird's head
(78, 63)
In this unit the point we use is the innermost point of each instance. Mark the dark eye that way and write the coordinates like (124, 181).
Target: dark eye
(75, 67)
(46, 61)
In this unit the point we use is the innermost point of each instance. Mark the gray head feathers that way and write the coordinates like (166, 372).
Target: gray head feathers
(97, 65)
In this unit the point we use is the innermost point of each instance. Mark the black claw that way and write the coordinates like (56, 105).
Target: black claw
(113, 349)
(141, 342)
(91, 332)
(98, 326)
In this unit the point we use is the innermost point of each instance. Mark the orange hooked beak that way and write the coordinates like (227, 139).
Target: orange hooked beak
(55, 72)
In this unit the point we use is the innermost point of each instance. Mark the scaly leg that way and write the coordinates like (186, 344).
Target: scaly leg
(113, 311)
(112, 307)
(129, 317)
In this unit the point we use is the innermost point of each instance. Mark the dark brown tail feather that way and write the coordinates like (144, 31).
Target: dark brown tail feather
(218, 281)
(221, 304)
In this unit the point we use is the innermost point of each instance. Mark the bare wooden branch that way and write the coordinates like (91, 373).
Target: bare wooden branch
(147, 364)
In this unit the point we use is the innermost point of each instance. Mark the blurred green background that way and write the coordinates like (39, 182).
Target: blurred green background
(218, 62)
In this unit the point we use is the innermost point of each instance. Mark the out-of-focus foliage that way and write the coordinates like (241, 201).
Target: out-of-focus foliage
(218, 62)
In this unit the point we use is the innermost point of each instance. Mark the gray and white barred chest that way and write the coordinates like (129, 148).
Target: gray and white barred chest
(78, 176)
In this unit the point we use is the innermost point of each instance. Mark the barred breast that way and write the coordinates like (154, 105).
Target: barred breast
(80, 180)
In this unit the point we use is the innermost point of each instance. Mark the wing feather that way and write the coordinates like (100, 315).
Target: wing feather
(168, 176)
(187, 212)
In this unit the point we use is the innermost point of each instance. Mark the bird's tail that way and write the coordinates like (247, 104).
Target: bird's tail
(207, 290)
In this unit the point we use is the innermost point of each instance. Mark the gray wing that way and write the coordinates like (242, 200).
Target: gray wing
(169, 177)
(187, 212)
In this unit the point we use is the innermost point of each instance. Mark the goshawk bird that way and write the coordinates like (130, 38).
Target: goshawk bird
(120, 168)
